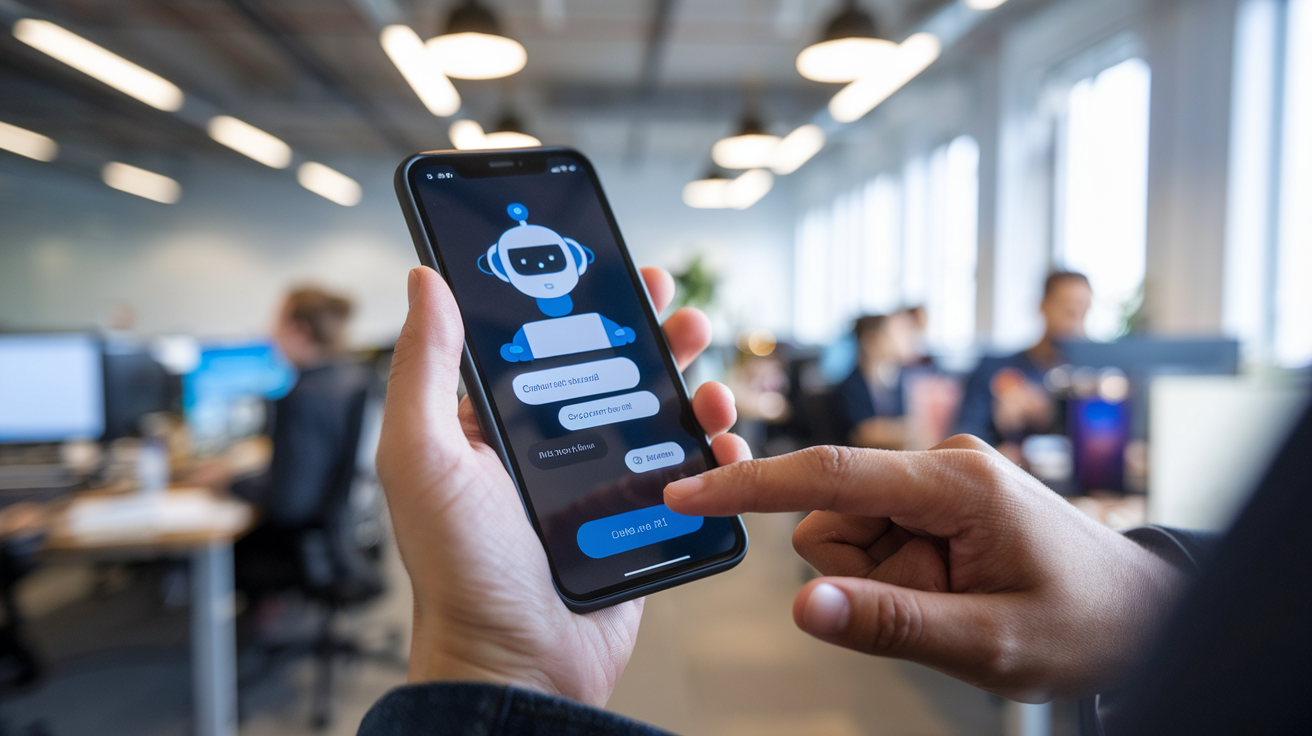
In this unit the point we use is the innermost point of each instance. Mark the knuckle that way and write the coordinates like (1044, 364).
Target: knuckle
(999, 652)
(894, 625)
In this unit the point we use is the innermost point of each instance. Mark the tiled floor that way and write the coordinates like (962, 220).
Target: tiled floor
(719, 657)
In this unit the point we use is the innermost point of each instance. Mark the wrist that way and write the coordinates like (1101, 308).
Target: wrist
(440, 653)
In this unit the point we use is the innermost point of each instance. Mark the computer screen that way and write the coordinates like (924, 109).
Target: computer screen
(217, 396)
(52, 388)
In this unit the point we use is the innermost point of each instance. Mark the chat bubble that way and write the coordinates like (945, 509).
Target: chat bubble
(562, 451)
(576, 381)
(610, 410)
(655, 457)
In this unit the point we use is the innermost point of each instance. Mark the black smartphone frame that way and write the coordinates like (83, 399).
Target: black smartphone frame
(511, 162)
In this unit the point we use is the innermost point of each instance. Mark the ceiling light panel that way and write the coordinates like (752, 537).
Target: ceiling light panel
(329, 183)
(420, 68)
(100, 63)
(140, 182)
(249, 140)
(28, 143)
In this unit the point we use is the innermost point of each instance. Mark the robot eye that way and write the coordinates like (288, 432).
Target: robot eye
(537, 260)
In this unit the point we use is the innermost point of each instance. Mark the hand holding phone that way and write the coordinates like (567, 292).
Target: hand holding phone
(571, 380)
(485, 606)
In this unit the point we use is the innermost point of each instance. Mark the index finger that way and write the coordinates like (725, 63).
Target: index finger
(873, 483)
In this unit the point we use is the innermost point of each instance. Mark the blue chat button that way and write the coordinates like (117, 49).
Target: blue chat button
(633, 529)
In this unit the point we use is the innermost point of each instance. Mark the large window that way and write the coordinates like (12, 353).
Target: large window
(1269, 222)
(1102, 191)
(903, 239)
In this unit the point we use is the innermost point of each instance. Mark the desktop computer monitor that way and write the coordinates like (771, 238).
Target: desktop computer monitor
(135, 385)
(1100, 429)
(52, 388)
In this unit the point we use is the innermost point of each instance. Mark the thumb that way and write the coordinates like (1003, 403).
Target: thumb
(956, 633)
(421, 390)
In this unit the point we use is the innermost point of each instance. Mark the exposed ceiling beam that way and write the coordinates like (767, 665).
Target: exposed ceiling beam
(653, 53)
(291, 45)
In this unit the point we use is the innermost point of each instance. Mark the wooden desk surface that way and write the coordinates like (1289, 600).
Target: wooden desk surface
(127, 542)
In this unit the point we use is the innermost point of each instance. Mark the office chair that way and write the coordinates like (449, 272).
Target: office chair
(19, 666)
(341, 558)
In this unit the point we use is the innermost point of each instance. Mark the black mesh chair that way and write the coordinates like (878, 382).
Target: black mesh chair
(341, 561)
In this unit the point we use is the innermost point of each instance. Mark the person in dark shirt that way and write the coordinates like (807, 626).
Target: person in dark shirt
(870, 399)
(1005, 400)
(953, 558)
(312, 439)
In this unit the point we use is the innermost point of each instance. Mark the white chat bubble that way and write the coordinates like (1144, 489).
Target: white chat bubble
(576, 381)
(610, 410)
(655, 457)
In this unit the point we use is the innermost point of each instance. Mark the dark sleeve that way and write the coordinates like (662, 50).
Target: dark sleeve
(1187, 549)
(455, 709)
(976, 415)
(852, 404)
(305, 459)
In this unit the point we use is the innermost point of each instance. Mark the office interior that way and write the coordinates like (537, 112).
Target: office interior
(172, 168)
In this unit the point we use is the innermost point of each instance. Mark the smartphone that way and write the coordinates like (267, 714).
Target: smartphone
(567, 368)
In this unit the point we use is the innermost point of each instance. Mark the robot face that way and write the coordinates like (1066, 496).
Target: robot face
(537, 259)
(540, 265)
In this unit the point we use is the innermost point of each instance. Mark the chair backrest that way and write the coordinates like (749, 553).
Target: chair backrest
(344, 556)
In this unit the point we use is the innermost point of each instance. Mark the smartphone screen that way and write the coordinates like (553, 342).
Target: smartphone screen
(580, 384)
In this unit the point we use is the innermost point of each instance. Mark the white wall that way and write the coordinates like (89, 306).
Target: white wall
(216, 263)
(213, 265)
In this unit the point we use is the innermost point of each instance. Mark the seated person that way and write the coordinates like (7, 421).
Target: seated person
(1005, 400)
(313, 440)
(870, 399)
(951, 558)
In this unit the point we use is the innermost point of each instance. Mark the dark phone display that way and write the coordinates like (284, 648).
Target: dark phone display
(590, 415)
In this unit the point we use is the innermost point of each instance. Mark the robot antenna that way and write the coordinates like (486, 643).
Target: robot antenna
(518, 213)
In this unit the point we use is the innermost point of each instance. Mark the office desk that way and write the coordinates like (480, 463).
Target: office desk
(213, 635)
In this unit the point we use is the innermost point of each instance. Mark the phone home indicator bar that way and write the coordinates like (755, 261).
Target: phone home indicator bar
(659, 564)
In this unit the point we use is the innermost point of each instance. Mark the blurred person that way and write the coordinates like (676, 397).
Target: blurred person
(918, 317)
(1005, 400)
(870, 399)
(952, 558)
(310, 437)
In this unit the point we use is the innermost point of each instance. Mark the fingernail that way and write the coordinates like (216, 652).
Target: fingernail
(685, 487)
(412, 286)
(827, 611)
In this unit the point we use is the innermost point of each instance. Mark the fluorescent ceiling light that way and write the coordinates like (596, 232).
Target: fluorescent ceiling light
(860, 97)
(983, 4)
(27, 143)
(716, 192)
(140, 182)
(477, 55)
(746, 151)
(796, 149)
(329, 184)
(99, 62)
(748, 188)
(420, 69)
(706, 194)
(468, 135)
(843, 59)
(249, 140)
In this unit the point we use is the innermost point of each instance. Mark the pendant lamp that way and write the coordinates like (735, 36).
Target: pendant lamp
(849, 47)
(472, 45)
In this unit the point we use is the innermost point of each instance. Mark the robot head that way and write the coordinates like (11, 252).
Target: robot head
(536, 260)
